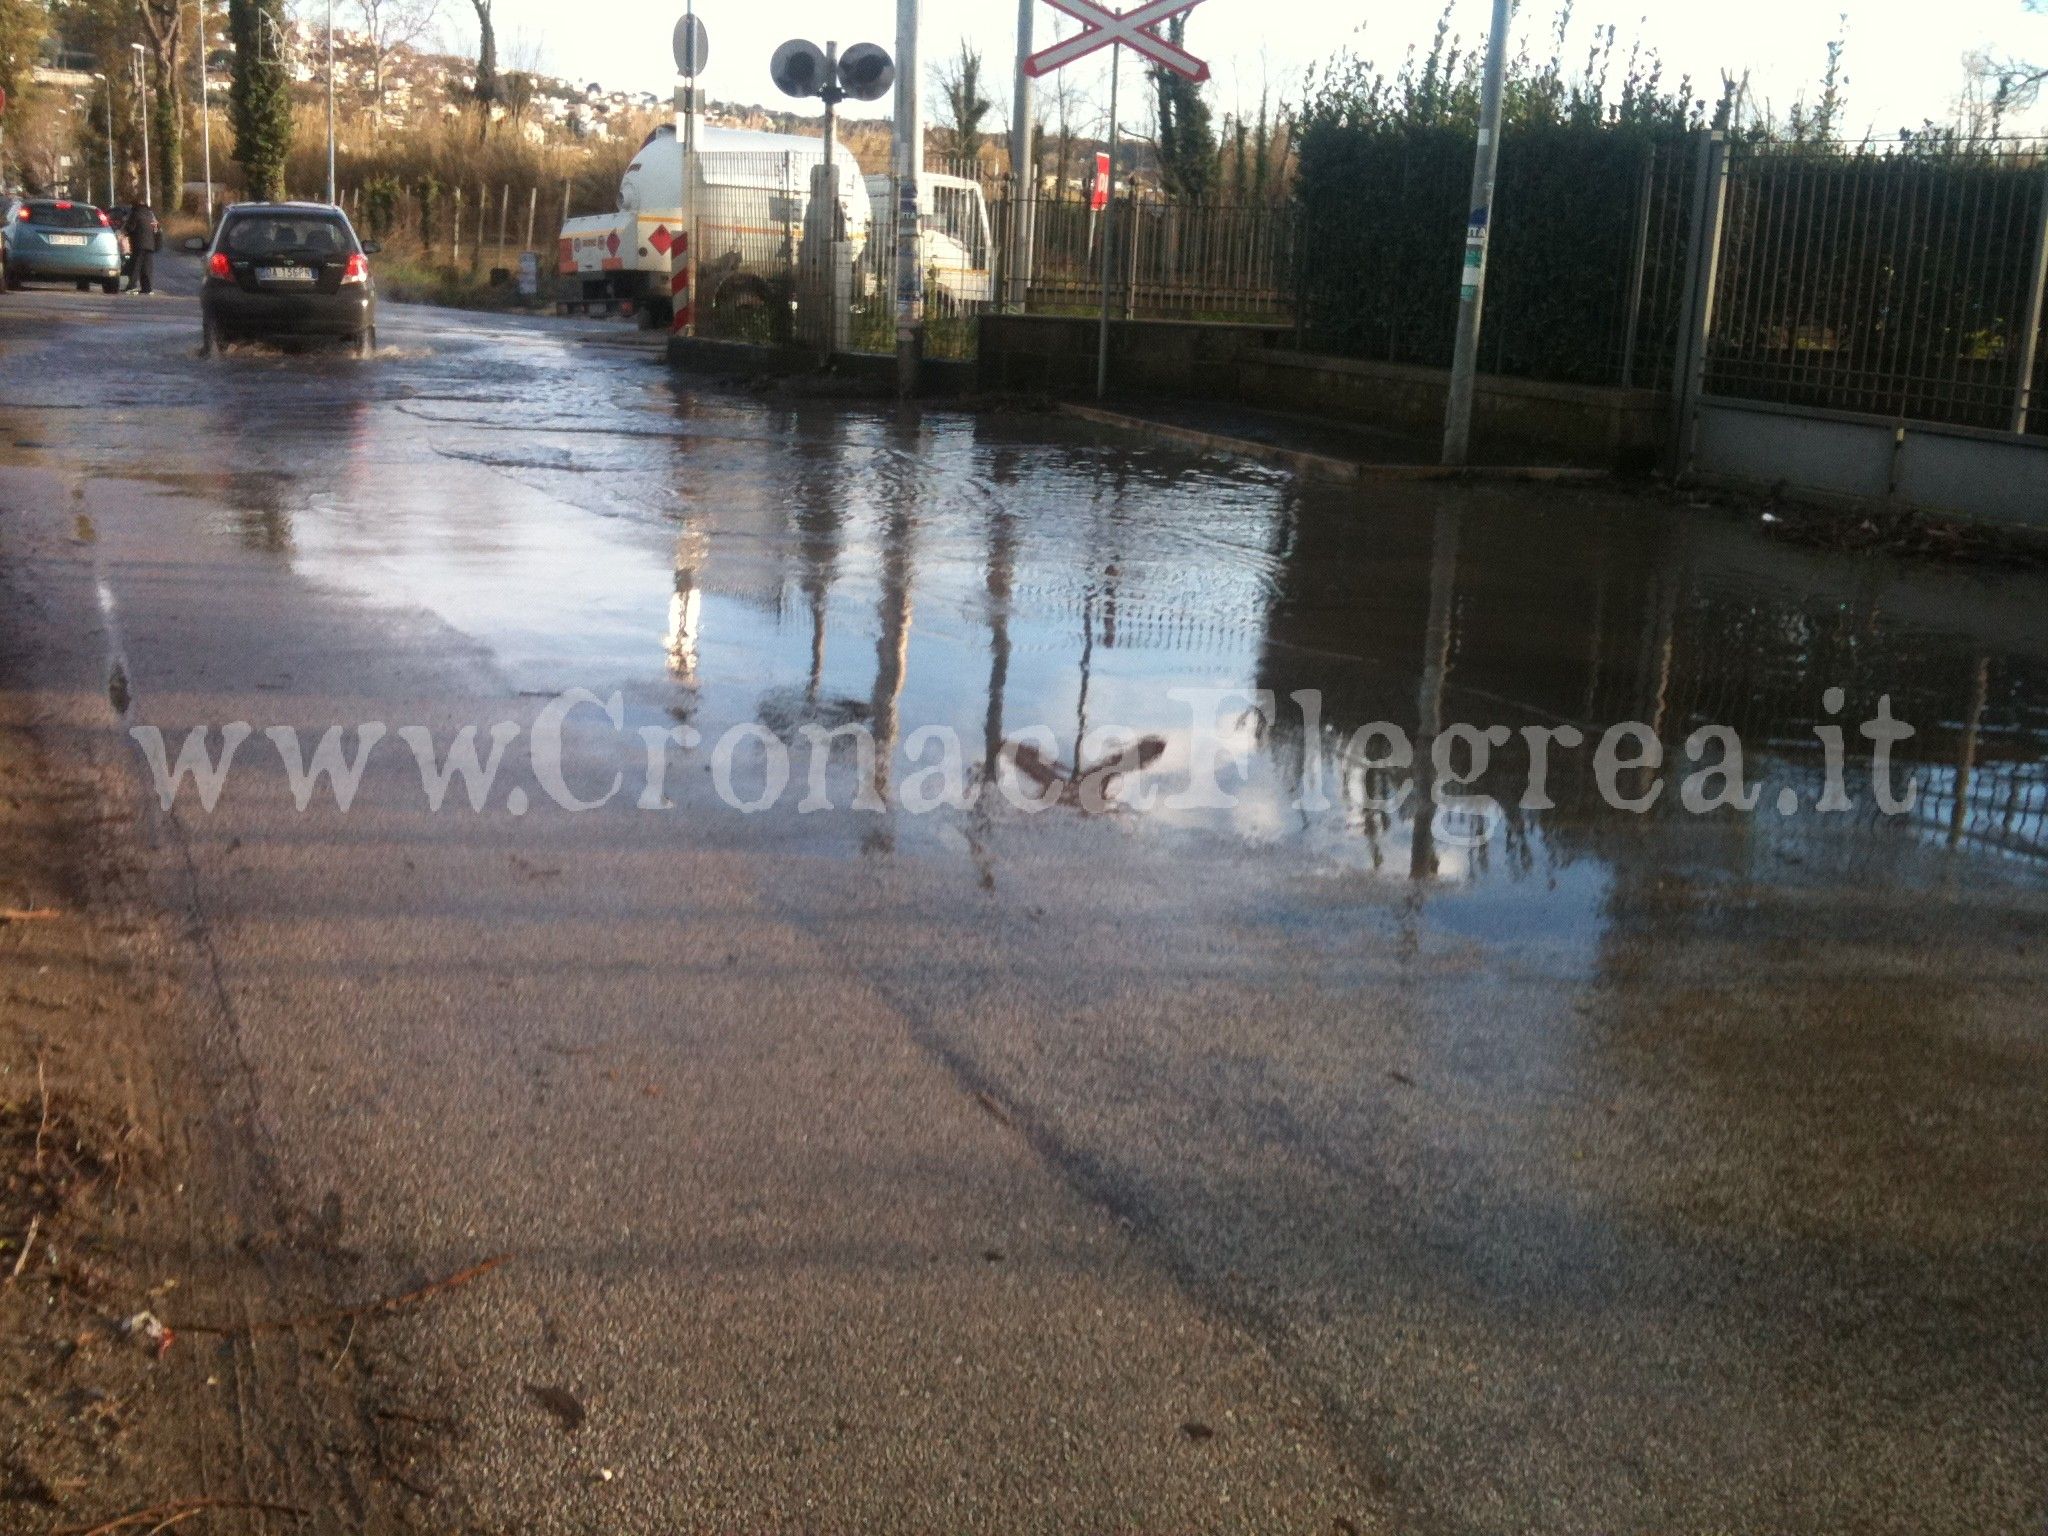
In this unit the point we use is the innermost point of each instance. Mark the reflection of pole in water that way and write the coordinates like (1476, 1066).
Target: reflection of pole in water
(892, 647)
(685, 607)
(1662, 642)
(1429, 702)
(1002, 559)
(817, 522)
(817, 646)
(1966, 752)
(1087, 670)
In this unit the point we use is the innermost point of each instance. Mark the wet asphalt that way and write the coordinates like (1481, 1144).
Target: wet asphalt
(1284, 1166)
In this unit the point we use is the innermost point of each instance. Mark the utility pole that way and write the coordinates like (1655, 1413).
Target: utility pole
(1023, 167)
(205, 117)
(691, 46)
(142, 99)
(832, 95)
(112, 191)
(909, 167)
(1478, 229)
(330, 101)
(1116, 56)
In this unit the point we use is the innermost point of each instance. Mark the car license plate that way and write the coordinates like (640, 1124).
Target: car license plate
(284, 274)
(67, 239)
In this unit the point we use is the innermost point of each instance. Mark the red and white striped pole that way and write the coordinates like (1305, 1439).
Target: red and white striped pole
(682, 313)
(681, 258)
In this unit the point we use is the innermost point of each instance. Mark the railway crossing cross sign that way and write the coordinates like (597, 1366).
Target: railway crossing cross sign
(1102, 26)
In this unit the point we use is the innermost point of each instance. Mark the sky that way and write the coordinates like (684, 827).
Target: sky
(1903, 65)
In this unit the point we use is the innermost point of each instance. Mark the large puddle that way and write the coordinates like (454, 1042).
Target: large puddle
(1011, 579)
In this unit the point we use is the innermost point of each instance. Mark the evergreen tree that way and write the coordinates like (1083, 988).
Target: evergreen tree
(23, 25)
(259, 95)
(1187, 138)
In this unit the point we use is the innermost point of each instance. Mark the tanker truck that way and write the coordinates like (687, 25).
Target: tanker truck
(756, 213)
(761, 213)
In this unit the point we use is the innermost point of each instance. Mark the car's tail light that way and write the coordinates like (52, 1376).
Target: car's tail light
(217, 264)
(62, 204)
(358, 268)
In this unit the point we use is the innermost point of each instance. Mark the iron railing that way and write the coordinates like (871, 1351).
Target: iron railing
(1885, 279)
(1173, 260)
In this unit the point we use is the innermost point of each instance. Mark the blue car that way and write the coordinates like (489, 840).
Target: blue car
(52, 240)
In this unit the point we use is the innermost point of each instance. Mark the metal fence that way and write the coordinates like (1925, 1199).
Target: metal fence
(771, 270)
(1891, 280)
(1173, 260)
(479, 228)
(1589, 243)
(759, 249)
(957, 252)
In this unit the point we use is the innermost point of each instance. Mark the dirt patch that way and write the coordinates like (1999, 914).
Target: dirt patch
(178, 1341)
(77, 1166)
(1900, 532)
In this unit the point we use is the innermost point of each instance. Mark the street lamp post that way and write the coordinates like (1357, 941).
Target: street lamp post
(112, 190)
(330, 101)
(205, 117)
(142, 99)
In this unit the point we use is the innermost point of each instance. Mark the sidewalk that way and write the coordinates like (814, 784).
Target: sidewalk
(1306, 444)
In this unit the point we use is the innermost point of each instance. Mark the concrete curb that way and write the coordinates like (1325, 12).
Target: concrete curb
(1323, 465)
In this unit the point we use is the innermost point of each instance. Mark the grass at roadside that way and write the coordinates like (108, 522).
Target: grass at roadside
(406, 281)
(409, 274)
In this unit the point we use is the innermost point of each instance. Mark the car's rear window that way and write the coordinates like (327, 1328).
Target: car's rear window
(64, 215)
(309, 236)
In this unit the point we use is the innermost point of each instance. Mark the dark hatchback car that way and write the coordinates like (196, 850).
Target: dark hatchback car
(278, 270)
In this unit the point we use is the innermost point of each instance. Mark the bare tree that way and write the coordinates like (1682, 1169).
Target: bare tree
(1979, 110)
(388, 27)
(520, 85)
(163, 22)
(2015, 84)
(1057, 102)
(959, 83)
(486, 59)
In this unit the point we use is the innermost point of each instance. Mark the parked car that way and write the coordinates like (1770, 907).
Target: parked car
(286, 270)
(53, 239)
(9, 203)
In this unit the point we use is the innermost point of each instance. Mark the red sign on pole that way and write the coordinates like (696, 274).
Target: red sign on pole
(1102, 26)
(1098, 194)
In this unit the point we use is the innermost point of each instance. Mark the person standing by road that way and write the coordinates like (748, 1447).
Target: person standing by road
(145, 239)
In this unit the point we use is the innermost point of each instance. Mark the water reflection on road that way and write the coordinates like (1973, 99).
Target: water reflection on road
(788, 565)
(731, 561)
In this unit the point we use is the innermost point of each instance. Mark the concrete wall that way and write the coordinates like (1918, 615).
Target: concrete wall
(1547, 423)
(873, 372)
(1995, 476)
(1256, 365)
(1055, 355)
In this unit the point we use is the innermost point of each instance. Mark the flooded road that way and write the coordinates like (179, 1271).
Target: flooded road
(1297, 1157)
